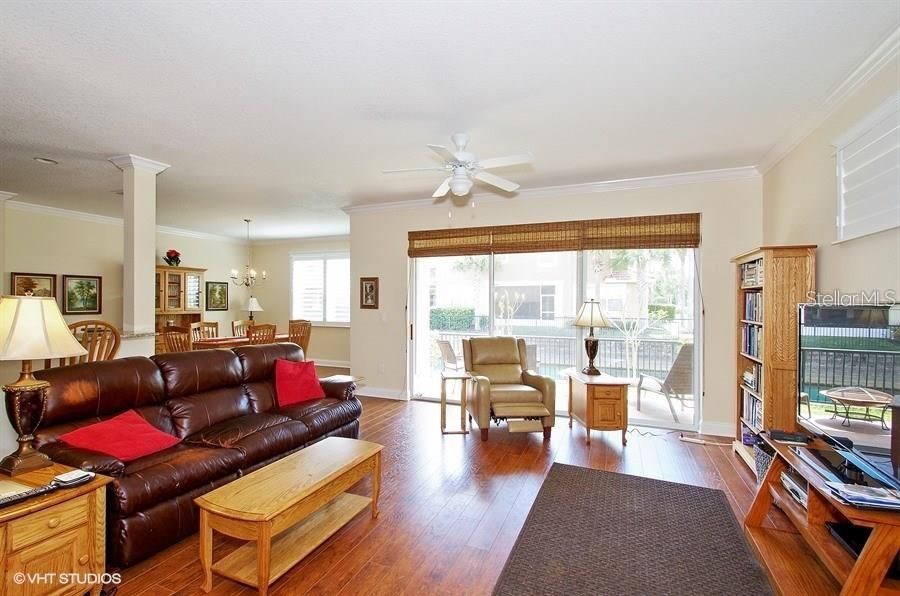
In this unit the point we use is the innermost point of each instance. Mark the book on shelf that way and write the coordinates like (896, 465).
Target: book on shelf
(752, 410)
(753, 306)
(752, 377)
(751, 339)
(752, 274)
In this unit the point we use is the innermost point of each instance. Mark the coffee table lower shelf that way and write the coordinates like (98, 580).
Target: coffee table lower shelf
(295, 543)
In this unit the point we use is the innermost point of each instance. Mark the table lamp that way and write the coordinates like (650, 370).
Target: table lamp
(253, 306)
(31, 327)
(591, 316)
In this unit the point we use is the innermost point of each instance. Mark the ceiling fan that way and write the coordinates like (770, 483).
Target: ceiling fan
(464, 168)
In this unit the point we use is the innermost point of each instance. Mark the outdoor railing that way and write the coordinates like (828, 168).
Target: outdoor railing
(557, 353)
(823, 368)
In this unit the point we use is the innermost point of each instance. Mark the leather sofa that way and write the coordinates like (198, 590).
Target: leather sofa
(500, 375)
(220, 403)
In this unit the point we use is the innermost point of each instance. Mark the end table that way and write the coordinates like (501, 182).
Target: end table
(453, 375)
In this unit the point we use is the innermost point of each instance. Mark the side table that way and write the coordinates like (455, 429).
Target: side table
(599, 402)
(452, 375)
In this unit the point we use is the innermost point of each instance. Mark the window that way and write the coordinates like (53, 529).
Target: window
(525, 302)
(868, 172)
(320, 287)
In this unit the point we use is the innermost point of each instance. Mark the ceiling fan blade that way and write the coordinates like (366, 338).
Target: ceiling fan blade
(445, 153)
(443, 189)
(502, 162)
(493, 180)
(431, 169)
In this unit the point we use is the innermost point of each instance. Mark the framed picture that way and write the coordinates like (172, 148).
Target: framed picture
(368, 292)
(217, 295)
(82, 294)
(33, 284)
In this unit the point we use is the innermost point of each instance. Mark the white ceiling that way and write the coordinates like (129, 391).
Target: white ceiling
(286, 112)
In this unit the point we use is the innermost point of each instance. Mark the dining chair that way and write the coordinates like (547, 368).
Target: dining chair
(99, 338)
(239, 328)
(261, 334)
(299, 331)
(177, 339)
(204, 330)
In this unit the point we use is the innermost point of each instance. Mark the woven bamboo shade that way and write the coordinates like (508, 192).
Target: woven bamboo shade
(680, 230)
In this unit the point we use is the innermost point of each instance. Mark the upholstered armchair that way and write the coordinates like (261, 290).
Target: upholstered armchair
(502, 385)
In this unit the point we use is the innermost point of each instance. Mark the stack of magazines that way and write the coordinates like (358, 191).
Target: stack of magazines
(866, 496)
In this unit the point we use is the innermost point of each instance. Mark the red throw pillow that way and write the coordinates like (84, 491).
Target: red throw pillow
(126, 437)
(296, 382)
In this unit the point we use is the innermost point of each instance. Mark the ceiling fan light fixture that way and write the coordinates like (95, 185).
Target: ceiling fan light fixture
(460, 184)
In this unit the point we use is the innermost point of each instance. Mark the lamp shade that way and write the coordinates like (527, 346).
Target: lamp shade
(253, 305)
(590, 315)
(32, 328)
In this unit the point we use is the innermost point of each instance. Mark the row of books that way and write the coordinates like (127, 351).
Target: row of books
(751, 340)
(752, 274)
(752, 409)
(752, 377)
(753, 306)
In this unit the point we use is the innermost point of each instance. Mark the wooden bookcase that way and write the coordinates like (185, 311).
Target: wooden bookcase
(770, 281)
(179, 298)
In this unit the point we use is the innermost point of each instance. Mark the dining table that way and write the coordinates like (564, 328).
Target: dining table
(208, 343)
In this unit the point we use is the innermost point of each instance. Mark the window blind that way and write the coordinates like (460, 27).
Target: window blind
(868, 170)
(681, 230)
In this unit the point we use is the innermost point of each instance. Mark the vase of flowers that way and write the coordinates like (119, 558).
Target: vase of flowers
(172, 258)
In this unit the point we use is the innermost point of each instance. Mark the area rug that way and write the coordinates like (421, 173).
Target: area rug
(602, 533)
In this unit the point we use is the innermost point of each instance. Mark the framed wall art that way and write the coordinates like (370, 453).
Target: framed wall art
(82, 294)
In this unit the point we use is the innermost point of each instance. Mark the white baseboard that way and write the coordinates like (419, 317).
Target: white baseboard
(396, 394)
(717, 429)
(332, 363)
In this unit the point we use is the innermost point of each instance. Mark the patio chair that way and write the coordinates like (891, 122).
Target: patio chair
(448, 356)
(678, 384)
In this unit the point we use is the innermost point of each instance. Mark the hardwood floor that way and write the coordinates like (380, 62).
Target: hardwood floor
(451, 506)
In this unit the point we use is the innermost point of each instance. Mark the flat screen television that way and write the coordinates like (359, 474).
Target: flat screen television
(849, 383)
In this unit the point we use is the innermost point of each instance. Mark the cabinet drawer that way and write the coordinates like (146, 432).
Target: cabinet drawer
(598, 392)
(50, 522)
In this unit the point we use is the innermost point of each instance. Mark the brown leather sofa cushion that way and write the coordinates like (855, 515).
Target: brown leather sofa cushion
(188, 373)
(192, 413)
(258, 362)
(274, 441)
(324, 415)
(228, 432)
(100, 389)
(169, 473)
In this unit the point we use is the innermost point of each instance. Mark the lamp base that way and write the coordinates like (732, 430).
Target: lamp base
(591, 370)
(25, 459)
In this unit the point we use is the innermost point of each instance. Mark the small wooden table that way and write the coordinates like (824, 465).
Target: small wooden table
(286, 509)
(208, 343)
(452, 375)
(63, 532)
(599, 402)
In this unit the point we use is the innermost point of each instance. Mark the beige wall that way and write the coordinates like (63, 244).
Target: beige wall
(38, 242)
(731, 224)
(799, 201)
(327, 344)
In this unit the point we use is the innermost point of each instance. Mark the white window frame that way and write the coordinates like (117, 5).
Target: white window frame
(891, 107)
(320, 256)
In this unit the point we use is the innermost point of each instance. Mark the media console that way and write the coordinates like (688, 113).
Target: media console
(810, 560)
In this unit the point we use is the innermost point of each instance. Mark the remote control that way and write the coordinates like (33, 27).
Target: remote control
(73, 478)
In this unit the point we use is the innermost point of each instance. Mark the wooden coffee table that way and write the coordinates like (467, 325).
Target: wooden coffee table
(286, 509)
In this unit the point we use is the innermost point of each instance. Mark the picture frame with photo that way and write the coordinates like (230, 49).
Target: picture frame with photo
(82, 295)
(33, 284)
(217, 295)
(368, 292)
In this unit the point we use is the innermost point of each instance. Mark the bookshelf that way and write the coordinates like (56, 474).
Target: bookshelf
(770, 282)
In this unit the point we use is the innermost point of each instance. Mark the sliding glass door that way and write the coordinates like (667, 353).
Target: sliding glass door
(648, 295)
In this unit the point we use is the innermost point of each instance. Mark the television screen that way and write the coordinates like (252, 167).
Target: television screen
(849, 376)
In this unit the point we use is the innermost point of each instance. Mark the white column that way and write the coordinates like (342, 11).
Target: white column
(139, 190)
(4, 267)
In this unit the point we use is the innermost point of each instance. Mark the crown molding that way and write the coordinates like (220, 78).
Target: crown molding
(565, 190)
(883, 54)
(5, 196)
(137, 162)
(303, 240)
(113, 221)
